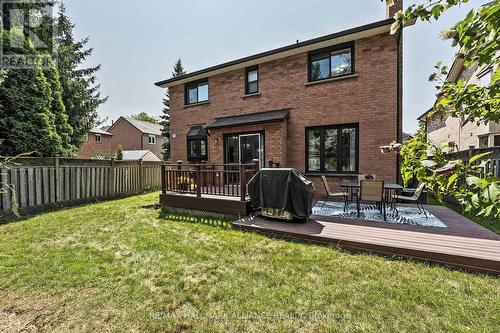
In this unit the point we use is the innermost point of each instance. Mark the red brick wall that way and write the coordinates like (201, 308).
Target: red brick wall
(369, 99)
(131, 138)
(91, 148)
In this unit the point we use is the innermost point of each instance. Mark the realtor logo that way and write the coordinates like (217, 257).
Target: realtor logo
(27, 34)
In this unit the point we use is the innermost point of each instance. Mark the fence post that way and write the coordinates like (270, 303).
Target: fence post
(198, 180)
(141, 175)
(470, 151)
(163, 179)
(111, 179)
(58, 180)
(243, 185)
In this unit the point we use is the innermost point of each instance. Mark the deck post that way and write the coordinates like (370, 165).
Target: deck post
(198, 180)
(163, 180)
(243, 185)
(256, 164)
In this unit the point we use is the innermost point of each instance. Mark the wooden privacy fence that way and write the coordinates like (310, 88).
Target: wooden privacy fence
(33, 183)
(492, 166)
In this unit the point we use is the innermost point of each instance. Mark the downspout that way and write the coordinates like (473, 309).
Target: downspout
(399, 91)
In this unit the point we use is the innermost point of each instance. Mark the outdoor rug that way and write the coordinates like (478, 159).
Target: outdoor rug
(406, 215)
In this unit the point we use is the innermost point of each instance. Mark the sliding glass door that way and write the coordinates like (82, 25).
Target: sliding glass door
(244, 148)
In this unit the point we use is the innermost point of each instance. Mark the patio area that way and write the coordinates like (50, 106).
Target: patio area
(461, 243)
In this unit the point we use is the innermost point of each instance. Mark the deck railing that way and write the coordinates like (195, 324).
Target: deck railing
(228, 180)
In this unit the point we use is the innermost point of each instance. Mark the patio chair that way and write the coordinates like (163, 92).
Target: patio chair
(331, 195)
(415, 198)
(372, 191)
(363, 176)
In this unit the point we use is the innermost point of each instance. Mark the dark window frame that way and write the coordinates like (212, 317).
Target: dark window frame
(326, 53)
(247, 82)
(195, 84)
(322, 130)
(260, 132)
(200, 156)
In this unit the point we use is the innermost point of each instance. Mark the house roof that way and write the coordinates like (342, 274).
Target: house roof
(99, 131)
(143, 126)
(250, 118)
(197, 132)
(453, 76)
(372, 29)
(136, 154)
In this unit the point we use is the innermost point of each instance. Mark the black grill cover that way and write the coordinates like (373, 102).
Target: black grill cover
(283, 189)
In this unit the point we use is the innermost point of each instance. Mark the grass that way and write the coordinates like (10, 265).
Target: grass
(119, 266)
(493, 225)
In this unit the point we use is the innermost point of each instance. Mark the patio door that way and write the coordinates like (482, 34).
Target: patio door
(244, 148)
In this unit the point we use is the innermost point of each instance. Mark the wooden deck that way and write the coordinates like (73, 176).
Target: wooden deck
(464, 244)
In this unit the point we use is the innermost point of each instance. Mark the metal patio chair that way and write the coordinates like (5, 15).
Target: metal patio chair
(332, 195)
(416, 198)
(372, 191)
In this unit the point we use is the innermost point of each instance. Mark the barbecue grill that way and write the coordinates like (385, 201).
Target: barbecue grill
(281, 193)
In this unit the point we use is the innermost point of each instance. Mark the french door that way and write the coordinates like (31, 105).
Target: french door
(244, 148)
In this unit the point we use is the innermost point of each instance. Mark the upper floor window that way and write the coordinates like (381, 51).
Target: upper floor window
(332, 149)
(97, 138)
(152, 139)
(197, 92)
(330, 63)
(484, 79)
(252, 80)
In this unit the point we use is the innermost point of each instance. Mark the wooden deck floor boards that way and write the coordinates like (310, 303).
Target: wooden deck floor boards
(463, 244)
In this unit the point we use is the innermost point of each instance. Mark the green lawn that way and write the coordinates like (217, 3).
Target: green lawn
(118, 266)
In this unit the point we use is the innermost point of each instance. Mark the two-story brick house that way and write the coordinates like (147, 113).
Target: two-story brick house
(131, 134)
(323, 106)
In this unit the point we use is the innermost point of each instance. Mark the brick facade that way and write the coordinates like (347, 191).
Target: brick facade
(131, 138)
(368, 99)
(90, 148)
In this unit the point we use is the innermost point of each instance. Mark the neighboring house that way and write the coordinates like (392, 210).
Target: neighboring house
(323, 106)
(460, 134)
(134, 134)
(97, 143)
(145, 155)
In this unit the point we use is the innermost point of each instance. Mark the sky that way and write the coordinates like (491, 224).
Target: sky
(138, 42)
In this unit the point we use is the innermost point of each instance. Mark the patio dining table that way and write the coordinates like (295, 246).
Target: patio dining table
(390, 190)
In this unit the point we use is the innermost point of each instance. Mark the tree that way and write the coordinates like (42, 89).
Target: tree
(165, 117)
(80, 93)
(63, 129)
(119, 153)
(143, 116)
(478, 39)
(26, 121)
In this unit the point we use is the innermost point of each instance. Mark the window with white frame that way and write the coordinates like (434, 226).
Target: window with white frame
(152, 139)
(97, 138)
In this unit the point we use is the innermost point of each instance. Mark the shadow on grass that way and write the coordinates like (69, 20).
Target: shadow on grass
(194, 217)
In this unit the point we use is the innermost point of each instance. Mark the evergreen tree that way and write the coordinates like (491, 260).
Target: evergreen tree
(119, 153)
(26, 121)
(63, 128)
(80, 93)
(165, 117)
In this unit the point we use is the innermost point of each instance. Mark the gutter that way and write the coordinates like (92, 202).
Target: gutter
(399, 101)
